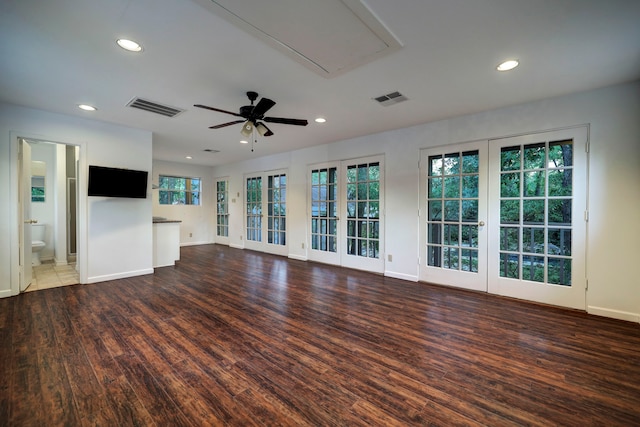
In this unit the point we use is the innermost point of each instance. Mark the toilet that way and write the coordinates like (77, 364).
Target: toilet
(37, 242)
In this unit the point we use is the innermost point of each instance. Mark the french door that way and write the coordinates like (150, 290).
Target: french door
(453, 215)
(266, 212)
(507, 216)
(222, 211)
(346, 213)
(538, 193)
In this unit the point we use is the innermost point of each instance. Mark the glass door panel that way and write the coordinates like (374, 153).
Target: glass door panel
(222, 211)
(540, 217)
(453, 242)
(324, 202)
(253, 205)
(277, 209)
(363, 212)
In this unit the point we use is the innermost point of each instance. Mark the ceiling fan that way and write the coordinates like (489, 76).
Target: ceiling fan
(253, 116)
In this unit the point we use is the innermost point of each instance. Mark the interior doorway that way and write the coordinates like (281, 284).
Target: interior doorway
(48, 200)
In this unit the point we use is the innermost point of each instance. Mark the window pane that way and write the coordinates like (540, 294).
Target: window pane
(534, 184)
(533, 240)
(435, 165)
(534, 156)
(561, 153)
(470, 162)
(452, 187)
(509, 239)
(510, 158)
(560, 211)
(510, 184)
(560, 182)
(533, 211)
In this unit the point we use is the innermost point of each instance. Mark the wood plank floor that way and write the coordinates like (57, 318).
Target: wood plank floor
(232, 337)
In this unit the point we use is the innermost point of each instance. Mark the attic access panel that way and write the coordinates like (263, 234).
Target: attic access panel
(329, 37)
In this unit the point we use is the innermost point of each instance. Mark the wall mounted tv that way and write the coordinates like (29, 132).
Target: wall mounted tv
(113, 182)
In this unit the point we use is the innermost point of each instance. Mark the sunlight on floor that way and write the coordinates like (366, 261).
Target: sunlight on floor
(48, 275)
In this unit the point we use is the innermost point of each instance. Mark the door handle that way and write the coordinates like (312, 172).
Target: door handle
(31, 221)
(481, 224)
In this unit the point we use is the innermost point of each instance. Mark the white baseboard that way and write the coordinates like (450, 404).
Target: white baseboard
(236, 246)
(298, 257)
(195, 243)
(96, 279)
(402, 276)
(614, 314)
(60, 262)
(6, 293)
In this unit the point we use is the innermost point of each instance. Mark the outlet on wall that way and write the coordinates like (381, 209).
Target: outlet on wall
(190, 234)
(303, 245)
(389, 258)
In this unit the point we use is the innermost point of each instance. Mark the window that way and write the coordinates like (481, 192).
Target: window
(179, 191)
(37, 188)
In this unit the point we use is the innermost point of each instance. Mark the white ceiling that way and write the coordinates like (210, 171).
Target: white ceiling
(59, 53)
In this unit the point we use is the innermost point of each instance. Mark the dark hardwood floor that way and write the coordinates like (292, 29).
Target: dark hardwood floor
(232, 337)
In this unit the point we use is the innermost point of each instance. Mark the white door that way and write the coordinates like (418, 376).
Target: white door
(266, 212)
(26, 271)
(324, 205)
(453, 215)
(222, 211)
(538, 193)
(363, 212)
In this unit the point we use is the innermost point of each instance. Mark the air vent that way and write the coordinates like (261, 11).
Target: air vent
(391, 98)
(209, 150)
(154, 107)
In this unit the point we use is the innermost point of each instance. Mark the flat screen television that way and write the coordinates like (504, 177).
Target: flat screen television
(113, 182)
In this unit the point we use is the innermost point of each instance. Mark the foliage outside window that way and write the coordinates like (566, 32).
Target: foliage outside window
(175, 190)
(37, 188)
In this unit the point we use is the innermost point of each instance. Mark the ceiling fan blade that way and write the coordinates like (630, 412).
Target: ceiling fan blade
(226, 124)
(296, 122)
(262, 107)
(216, 109)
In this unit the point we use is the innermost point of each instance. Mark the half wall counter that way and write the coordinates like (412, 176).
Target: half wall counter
(166, 242)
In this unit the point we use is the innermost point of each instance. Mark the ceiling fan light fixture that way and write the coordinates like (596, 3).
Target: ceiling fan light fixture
(263, 130)
(247, 129)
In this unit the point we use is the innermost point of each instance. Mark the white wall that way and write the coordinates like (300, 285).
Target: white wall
(198, 222)
(115, 235)
(614, 176)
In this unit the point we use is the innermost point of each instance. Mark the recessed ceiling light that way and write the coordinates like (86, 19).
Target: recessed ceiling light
(87, 107)
(508, 65)
(129, 45)
(244, 142)
(321, 120)
(188, 157)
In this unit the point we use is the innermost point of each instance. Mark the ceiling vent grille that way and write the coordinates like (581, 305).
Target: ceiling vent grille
(154, 107)
(391, 99)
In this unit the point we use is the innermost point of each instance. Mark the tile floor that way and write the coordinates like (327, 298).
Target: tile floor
(48, 275)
